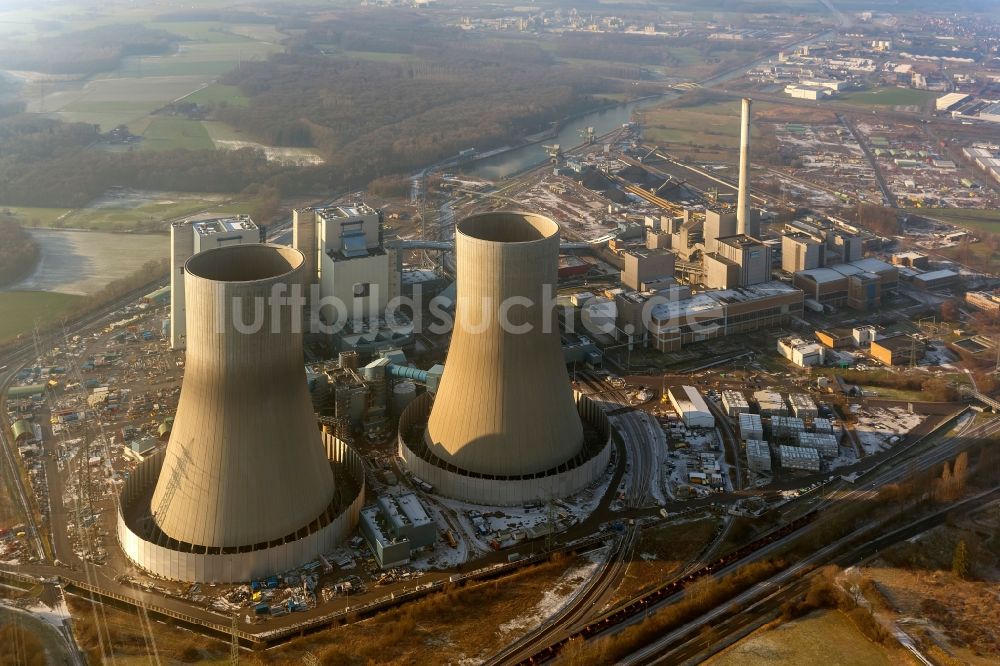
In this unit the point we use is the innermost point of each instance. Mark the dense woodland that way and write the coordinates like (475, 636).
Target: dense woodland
(18, 252)
(48, 163)
(368, 118)
(86, 51)
(371, 117)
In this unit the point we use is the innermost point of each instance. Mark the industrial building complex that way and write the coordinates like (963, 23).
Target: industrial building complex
(309, 418)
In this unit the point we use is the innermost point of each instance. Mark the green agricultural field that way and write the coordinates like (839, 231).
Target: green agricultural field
(109, 101)
(36, 217)
(140, 86)
(199, 59)
(144, 211)
(219, 131)
(974, 219)
(19, 310)
(888, 97)
(148, 216)
(217, 94)
(169, 133)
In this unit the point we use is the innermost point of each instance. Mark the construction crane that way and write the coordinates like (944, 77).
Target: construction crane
(554, 152)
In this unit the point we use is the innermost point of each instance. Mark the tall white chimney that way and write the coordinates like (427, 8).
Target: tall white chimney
(743, 200)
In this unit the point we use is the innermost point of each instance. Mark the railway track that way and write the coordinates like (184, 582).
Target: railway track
(593, 597)
(636, 610)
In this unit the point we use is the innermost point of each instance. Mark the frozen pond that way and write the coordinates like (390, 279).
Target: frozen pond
(82, 262)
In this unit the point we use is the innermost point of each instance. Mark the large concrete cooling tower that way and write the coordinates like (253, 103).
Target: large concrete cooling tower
(504, 426)
(245, 476)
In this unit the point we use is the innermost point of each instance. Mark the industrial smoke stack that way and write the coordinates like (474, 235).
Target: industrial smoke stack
(505, 407)
(245, 466)
(743, 199)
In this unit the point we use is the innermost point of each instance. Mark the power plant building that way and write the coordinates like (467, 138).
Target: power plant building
(188, 239)
(714, 314)
(247, 486)
(642, 267)
(984, 301)
(800, 252)
(504, 427)
(739, 261)
(859, 284)
(718, 224)
(801, 352)
(357, 273)
(395, 526)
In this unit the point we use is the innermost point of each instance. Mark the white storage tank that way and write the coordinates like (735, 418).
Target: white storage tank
(403, 394)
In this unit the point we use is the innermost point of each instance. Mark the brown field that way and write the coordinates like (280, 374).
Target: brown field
(823, 637)
(443, 628)
(661, 553)
(955, 620)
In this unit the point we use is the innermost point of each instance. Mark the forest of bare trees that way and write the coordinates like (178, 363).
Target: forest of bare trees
(18, 252)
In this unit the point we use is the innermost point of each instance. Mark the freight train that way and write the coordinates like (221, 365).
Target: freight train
(645, 602)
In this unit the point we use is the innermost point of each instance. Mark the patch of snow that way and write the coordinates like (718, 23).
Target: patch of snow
(561, 593)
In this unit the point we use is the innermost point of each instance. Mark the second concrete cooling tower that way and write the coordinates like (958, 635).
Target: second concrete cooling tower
(504, 427)
(245, 487)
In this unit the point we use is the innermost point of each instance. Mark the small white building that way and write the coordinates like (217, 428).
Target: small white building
(800, 352)
(758, 455)
(826, 444)
(770, 403)
(735, 403)
(799, 457)
(864, 336)
(807, 92)
(691, 407)
(751, 427)
(803, 406)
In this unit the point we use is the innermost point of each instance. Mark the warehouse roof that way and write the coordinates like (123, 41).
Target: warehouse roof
(21, 428)
(871, 265)
(710, 303)
(930, 276)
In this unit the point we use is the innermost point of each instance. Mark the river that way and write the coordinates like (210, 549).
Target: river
(525, 157)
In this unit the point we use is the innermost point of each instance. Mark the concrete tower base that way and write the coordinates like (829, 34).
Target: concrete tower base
(568, 478)
(175, 561)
